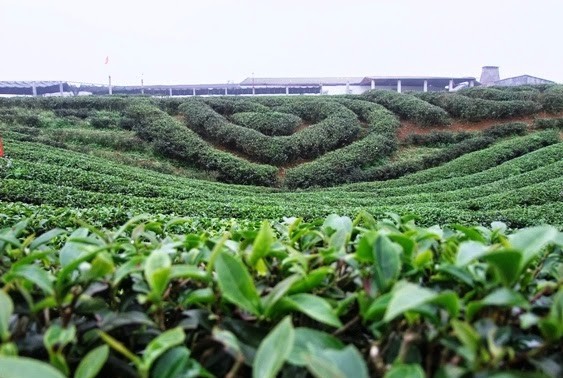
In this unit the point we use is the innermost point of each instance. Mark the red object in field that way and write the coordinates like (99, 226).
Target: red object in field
(1, 148)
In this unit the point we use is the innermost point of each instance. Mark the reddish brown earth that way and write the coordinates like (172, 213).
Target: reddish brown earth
(408, 127)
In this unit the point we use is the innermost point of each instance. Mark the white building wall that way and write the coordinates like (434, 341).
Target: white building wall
(344, 89)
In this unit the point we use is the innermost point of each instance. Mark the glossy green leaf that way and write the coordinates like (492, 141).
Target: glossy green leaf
(387, 264)
(161, 344)
(18, 367)
(552, 325)
(469, 251)
(236, 283)
(134, 264)
(405, 371)
(315, 307)
(45, 238)
(407, 296)
(262, 243)
(312, 280)
(175, 363)
(467, 335)
(460, 273)
(277, 293)
(92, 363)
(102, 265)
(274, 350)
(449, 301)
(199, 296)
(506, 264)
(308, 341)
(343, 363)
(502, 297)
(57, 335)
(6, 310)
(377, 308)
(530, 241)
(73, 249)
(189, 271)
(338, 223)
(364, 251)
(34, 274)
(157, 270)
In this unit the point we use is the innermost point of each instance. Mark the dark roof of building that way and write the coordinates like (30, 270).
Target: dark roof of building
(29, 84)
(288, 81)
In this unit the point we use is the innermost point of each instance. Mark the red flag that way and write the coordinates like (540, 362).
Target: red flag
(1, 148)
(107, 60)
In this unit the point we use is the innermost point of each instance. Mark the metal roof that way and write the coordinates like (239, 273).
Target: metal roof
(29, 84)
(508, 79)
(288, 81)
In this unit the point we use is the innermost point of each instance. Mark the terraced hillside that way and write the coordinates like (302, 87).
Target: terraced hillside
(353, 236)
(136, 155)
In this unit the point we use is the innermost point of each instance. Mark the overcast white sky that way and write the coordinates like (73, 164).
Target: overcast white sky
(215, 41)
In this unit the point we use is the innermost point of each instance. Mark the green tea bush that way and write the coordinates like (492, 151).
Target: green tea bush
(437, 138)
(505, 94)
(548, 123)
(552, 99)
(363, 297)
(476, 109)
(337, 127)
(272, 123)
(409, 107)
(345, 164)
(104, 119)
(178, 142)
(506, 129)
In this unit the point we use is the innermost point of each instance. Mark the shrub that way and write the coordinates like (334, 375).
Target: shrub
(476, 109)
(346, 163)
(338, 127)
(505, 94)
(272, 123)
(506, 129)
(548, 123)
(552, 99)
(409, 107)
(437, 138)
(104, 119)
(175, 141)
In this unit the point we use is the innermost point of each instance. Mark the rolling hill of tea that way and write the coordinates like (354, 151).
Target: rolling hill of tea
(383, 234)
(475, 157)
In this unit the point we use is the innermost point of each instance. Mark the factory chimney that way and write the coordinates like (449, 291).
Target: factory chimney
(489, 75)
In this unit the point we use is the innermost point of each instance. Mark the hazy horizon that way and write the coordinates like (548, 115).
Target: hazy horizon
(219, 41)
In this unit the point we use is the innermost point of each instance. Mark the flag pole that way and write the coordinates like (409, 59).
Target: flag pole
(109, 75)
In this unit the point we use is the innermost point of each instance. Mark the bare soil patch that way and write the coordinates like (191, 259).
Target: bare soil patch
(407, 128)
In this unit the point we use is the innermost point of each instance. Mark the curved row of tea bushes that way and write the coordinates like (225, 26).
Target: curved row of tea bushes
(409, 107)
(271, 123)
(173, 140)
(336, 127)
(345, 164)
(500, 94)
(548, 123)
(476, 109)
(470, 162)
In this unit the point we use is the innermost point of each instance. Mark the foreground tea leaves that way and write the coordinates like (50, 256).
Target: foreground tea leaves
(327, 298)
(274, 350)
(18, 367)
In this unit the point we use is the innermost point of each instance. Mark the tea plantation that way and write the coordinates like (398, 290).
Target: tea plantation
(384, 234)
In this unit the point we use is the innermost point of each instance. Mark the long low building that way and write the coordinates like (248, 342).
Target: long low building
(249, 86)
